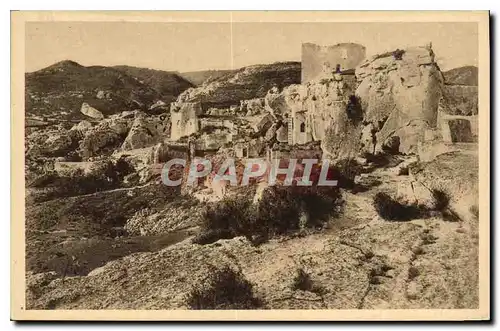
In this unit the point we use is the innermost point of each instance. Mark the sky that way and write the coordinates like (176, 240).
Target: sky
(193, 46)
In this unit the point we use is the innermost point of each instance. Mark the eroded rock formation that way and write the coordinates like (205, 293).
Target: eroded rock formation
(400, 93)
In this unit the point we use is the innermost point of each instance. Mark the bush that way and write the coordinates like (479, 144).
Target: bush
(441, 199)
(223, 289)
(280, 210)
(345, 171)
(392, 210)
(102, 177)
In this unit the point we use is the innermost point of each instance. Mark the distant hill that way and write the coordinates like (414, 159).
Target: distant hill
(467, 75)
(168, 84)
(199, 77)
(245, 83)
(59, 90)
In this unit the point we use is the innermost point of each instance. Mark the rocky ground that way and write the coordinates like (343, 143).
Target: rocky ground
(358, 261)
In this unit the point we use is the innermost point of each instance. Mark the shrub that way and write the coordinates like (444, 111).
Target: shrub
(278, 212)
(223, 289)
(102, 177)
(345, 171)
(392, 210)
(303, 282)
(441, 199)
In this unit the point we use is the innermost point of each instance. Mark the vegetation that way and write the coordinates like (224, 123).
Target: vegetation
(104, 176)
(392, 210)
(279, 211)
(223, 288)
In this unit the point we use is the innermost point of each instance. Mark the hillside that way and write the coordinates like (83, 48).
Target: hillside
(168, 84)
(199, 77)
(461, 76)
(245, 83)
(58, 91)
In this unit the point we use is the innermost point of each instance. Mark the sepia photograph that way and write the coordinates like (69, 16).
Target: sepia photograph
(250, 165)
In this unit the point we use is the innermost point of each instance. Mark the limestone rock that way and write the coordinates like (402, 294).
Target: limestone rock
(82, 127)
(172, 218)
(363, 267)
(109, 133)
(252, 107)
(271, 132)
(282, 134)
(90, 111)
(455, 173)
(403, 93)
(145, 131)
(58, 143)
(184, 117)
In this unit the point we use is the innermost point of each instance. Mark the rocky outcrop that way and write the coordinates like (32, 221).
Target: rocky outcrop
(58, 143)
(252, 107)
(324, 110)
(175, 216)
(448, 172)
(146, 131)
(184, 117)
(244, 84)
(89, 111)
(400, 93)
(108, 134)
(82, 127)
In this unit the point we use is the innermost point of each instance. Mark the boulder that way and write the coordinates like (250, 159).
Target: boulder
(282, 134)
(90, 111)
(145, 131)
(82, 127)
(58, 143)
(271, 132)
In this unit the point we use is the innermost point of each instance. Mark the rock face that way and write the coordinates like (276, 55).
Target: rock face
(91, 111)
(108, 134)
(252, 107)
(319, 60)
(324, 110)
(146, 131)
(400, 93)
(184, 116)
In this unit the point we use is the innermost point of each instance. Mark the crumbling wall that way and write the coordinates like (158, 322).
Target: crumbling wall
(316, 59)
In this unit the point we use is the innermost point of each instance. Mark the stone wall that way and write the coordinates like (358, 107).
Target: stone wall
(316, 59)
